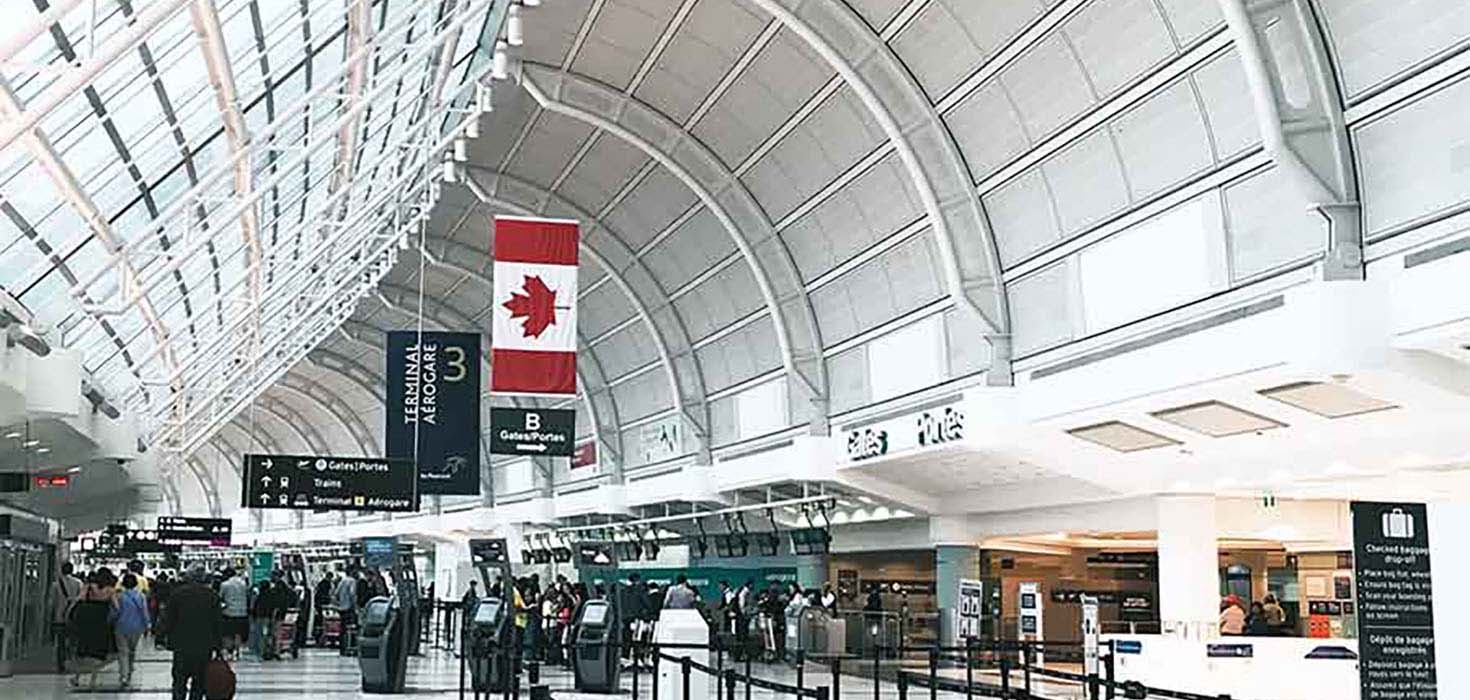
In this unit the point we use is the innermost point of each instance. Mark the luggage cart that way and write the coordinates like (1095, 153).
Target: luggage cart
(286, 633)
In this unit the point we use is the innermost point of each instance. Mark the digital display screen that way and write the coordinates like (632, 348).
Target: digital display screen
(1028, 601)
(595, 614)
(488, 611)
(376, 613)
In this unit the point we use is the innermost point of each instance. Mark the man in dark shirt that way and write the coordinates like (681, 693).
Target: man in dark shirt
(193, 627)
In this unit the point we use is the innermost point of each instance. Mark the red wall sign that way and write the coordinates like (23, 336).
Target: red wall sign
(585, 456)
(52, 482)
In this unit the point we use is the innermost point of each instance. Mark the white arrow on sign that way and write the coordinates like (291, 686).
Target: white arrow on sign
(531, 448)
(268, 463)
(265, 481)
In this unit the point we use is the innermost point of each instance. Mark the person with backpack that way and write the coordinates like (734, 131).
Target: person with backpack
(130, 620)
(89, 625)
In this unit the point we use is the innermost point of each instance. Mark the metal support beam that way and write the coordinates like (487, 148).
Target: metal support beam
(971, 268)
(359, 35)
(1308, 140)
(726, 198)
(206, 485)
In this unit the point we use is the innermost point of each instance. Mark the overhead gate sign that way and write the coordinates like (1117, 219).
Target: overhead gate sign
(317, 482)
(433, 415)
(548, 432)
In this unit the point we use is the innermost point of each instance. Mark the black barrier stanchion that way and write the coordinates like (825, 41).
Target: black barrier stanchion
(748, 675)
(1026, 668)
(877, 671)
(729, 685)
(934, 673)
(1005, 674)
(657, 655)
(837, 677)
(969, 667)
(684, 669)
(1109, 672)
(902, 682)
(635, 682)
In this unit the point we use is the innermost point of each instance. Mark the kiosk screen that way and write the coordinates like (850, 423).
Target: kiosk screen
(376, 614)
(488, 611)
(595, 614)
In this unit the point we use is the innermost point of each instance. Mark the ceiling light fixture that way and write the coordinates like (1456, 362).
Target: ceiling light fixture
(42, 450)
(30, 443)
(1216, 419)
(1328, 400)
(1122, 437)
(13, 435)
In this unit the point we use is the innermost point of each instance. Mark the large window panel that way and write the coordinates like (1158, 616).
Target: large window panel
(1170, 259)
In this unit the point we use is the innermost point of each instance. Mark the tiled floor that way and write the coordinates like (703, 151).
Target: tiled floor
(324, 675)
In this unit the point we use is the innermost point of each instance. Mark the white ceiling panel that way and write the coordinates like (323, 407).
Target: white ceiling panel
(691, 249)
(653, 204)
(1048, 86)
(987, 129)
(876, 204)
(949, 39)
(828, 142)
(602, 172)
(711, 39)
(1118, 40)
(1086, 182)
(548, 148)
(777, 82)
(621, 36)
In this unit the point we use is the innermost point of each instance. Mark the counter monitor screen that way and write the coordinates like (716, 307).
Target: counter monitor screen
(488, 611)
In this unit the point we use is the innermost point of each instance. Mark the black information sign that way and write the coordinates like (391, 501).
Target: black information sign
(1395, 605)
(488, 551)
(434, 400)
(380, 553)
(547, 432)
(214, 532)
(310, 482)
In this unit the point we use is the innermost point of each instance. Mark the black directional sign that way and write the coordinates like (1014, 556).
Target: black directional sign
(433, 408)
(548, 432)
(213, 532)
(313, 482)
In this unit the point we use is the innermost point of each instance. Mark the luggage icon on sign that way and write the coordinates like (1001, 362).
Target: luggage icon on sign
(1398, 525)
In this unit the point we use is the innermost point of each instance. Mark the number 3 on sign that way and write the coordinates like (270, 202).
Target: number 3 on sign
(458, 371)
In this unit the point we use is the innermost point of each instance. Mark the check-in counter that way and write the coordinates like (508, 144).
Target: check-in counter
(1260, 668)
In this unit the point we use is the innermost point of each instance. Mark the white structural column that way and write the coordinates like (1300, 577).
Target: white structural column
(1299, 113)
(866, 64)
(1189, 577)
(726, 198)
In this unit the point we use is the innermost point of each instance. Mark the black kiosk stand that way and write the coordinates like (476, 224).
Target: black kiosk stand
(596, 638)
(389, 624)
(487, 644)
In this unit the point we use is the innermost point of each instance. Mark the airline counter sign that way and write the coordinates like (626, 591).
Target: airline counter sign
(924, 429)
(547, 432)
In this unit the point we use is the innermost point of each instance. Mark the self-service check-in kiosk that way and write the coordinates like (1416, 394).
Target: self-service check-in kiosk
(382, 646)
(596, 667)
(490, 642)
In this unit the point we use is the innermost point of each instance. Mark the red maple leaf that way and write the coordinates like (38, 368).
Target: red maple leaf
(537, 306)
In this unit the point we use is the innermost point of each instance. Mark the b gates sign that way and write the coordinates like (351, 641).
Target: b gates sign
(931, 427)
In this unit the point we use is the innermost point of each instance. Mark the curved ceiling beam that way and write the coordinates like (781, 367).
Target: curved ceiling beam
(328, 400)
(698, 422)
(1309, 143)
(219, 471)
(295, 422)
(975, 284)
(808, 368)
(171, 498)
(211, 494)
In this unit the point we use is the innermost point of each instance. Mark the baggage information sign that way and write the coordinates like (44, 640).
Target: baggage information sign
(1395, 605)
(315, 482)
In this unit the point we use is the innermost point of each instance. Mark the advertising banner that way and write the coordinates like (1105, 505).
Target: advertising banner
(545, 432)
(1395, 605)
(534, 327)
(310, 482)
(433, 408)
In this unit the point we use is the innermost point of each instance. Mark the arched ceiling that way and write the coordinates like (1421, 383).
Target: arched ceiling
(765, 186)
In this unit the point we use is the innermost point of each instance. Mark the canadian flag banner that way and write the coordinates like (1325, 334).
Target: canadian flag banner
(533, 338)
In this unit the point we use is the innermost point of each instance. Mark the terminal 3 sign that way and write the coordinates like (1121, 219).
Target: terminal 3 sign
(923, 429)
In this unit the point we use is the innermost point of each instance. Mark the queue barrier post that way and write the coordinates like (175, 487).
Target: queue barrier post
(1109, 671)
(903, 685)
(730, 684)
(837, 677)
(969, 667)
(1005, 674)
(684, 669)
(800, 672)
(1026, 668)
(877, 671)
(657, 680)
(934, 673)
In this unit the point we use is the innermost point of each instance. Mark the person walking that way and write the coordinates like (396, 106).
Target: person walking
(262, 614)
(130, 621)
(234, 595)
(89, 624)
(193, 627)
(67, 592)
(680, 596)
(346, 596)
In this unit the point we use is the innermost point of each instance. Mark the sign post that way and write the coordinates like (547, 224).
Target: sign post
(310, 482)
(1029, 621)
(433, 408)
(1395, 601)
(1090, 631)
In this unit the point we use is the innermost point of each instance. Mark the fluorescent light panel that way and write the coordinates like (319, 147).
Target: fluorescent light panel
(1329, 400)
(1216, 419)
(1121, 436)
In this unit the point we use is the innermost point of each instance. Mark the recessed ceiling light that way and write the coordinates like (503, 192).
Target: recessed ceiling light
(1329, 400)
(1121, 436)
(1216, 419)
(12, 435)
(73, 470)
(30, 443)
(42, 450)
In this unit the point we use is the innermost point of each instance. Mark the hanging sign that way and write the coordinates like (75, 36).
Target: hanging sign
(544, 432)
(661, 440)
(1395, 606)
(585, 455)
(212, 532)
(309, 482)
(433, 408)
(534, 329)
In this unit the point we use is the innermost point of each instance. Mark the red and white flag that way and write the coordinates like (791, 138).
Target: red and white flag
(533, 338)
